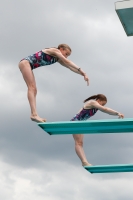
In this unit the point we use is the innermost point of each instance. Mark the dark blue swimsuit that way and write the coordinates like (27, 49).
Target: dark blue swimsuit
(84, 114)
(40, 59)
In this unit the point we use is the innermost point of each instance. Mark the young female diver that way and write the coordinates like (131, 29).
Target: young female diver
(46, 56)
(92, 105)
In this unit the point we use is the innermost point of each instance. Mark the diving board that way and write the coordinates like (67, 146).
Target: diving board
(109, 168)
(124, 10)
(88, 127)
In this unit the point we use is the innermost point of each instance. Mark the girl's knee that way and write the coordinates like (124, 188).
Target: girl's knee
(32, 88)
(79, 143)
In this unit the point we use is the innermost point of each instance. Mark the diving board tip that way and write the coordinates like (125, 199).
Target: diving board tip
(110, 168)
(88, 127)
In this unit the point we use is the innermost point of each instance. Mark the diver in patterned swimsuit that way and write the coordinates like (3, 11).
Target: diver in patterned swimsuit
(47, 56)
(40, 59)
(92, 105)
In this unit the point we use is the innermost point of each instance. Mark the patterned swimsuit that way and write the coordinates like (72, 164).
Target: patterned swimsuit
(40, 59)
(84, 114)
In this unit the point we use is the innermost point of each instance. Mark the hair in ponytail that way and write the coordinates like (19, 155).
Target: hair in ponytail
(96, 97)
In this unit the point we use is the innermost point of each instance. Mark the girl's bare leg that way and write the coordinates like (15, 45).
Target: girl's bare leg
(79, 149)
(29, 78)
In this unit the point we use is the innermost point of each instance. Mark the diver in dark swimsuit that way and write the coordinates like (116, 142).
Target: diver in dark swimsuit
(92, 105)
(44, 57)
(40, 59)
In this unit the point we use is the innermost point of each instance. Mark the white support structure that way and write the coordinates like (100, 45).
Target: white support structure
(124, 4)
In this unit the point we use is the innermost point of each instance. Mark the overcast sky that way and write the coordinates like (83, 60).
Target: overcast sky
(34, 165)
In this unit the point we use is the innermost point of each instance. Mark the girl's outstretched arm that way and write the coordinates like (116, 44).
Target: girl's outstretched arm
(67, 63)
(104, 109)
(78, 71)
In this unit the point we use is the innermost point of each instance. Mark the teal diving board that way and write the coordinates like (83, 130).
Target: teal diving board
(124, 10)
(109, 168)
(88, 127)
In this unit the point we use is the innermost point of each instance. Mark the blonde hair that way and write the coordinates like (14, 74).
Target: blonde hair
(64, 46)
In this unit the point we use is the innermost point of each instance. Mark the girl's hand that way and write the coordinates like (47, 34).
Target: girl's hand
(86, 79)
(120, 115)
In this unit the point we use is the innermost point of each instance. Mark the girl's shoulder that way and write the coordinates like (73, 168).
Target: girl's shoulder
(53, 51)
(50, 49)
(89, 104)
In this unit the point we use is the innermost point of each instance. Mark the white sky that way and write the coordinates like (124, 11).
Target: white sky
(34, 165)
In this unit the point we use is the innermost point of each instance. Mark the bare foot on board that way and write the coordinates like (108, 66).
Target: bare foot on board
(37, 119)
(86, 164)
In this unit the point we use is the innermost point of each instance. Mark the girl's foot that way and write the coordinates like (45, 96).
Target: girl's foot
(37, 119)
(86, 164)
